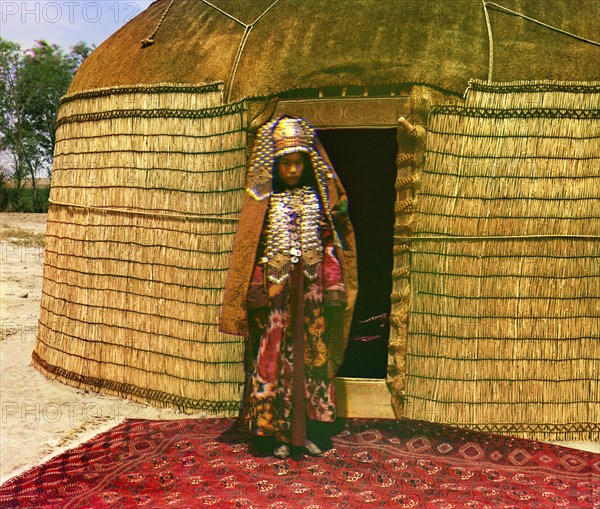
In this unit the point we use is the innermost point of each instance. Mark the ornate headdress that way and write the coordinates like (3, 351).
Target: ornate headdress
(284, 135)
(292, 135)
(287, 135)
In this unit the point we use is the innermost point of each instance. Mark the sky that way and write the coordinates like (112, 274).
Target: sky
(65, 22)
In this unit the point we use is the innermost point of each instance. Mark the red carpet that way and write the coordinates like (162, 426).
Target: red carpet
(373, 464)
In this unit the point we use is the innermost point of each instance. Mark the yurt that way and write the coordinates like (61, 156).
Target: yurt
(466, 134)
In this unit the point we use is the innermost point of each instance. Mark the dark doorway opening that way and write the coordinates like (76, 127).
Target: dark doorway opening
(365, 160)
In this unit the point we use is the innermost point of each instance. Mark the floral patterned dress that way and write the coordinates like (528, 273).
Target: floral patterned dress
(288, 378)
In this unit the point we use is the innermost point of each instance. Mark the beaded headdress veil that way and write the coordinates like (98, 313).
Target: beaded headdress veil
(287, 135)
(284, 135)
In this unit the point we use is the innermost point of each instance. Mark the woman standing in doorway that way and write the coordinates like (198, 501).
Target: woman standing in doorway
(291, 285)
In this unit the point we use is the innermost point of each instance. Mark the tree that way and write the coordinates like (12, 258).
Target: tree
(32, 83)
(13, 135)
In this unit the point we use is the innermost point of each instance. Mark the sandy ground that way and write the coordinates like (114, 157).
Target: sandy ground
(41, 417)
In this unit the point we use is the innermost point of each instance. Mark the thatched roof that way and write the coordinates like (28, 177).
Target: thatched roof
(316, 43)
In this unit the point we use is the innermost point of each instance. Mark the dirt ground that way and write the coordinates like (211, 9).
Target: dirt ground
(41, 417)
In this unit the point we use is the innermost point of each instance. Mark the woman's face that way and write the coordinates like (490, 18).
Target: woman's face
(290, 168)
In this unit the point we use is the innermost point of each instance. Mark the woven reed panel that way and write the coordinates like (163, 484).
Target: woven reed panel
(146, 187)
(504, 331)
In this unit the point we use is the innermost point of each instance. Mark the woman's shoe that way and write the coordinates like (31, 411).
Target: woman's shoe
(282, 451)
(312, 449)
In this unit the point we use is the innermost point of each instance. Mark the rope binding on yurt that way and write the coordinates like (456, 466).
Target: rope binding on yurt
(148, 41)
(505, 10)
(247, 29)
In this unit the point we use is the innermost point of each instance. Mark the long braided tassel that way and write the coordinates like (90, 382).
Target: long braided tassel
(148, 41)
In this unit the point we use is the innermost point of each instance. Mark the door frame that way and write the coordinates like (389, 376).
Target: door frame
(356, 397)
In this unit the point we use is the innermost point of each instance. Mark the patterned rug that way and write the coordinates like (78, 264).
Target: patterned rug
(372, 464)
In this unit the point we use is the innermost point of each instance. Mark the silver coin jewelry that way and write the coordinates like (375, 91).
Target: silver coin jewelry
(293, 233)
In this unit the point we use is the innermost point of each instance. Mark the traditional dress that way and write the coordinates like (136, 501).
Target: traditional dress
(291, 287)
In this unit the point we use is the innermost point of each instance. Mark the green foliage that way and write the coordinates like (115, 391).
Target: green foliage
(31, 85)
(3, 192)
(12, 135)
(24, 199)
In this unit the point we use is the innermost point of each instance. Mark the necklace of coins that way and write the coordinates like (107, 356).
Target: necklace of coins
(293, 224)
